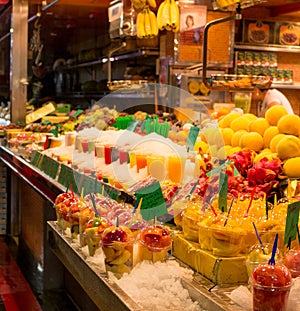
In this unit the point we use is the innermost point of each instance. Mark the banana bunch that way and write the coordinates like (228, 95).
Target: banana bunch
(168, 16)
(141, 4)
(146, 24)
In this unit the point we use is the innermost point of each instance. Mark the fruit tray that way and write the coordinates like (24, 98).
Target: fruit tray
(130, 85)
(239, 82)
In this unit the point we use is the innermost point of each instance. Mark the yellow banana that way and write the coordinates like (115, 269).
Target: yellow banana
(164, 16)
(153, 23)
(140, 25)
(152, 3)
(147, 24)
(174, 15)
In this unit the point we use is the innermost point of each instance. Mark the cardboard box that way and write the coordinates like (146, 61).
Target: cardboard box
(220, 270)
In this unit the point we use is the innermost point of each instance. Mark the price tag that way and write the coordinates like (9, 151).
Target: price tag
(153, 203)
(88, 185)
(78, 113)
(36, 158)
(66, 177)
(50, 167)
(291, 224)
(193, 134)
(223, 191)
(132, 125)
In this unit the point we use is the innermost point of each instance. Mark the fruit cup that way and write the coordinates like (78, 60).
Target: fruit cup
(154, 242)
(117, 245)
(175, 168)
(292, 262)
(226, 241)
(260, 254)
(271, 284)
(93, 233)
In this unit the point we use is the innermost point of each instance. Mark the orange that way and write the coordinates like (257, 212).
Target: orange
(274, 113)
(258, 125)
(253, 141)
(235, 139)
(226, 120)
(274, 141)
(289, 124)
(269, 133)
(240, 123)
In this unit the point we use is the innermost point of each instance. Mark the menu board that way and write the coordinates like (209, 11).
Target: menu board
(190, 42)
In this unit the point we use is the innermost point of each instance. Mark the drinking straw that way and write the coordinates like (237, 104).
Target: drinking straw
(259, 239)
(250, 203)
(213, 210)
(94, 205)
(228, 213)
(298, 234)
(193, 189)
(71, 188)
(289, 190)
(267, 210)
(275, 200)
(67, 189)
(82, 192)
(274, 249)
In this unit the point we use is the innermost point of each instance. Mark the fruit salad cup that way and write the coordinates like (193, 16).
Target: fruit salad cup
(80, 214)
(93, 233)
(62, 200)
(292, 261)
(259, 254)
(271, 284)
(153, 244)
(226, 241)
(117, 245)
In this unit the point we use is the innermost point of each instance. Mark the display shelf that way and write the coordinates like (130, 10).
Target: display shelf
(121, 56)
(294, 86)
(39, 181)
(107, 295)
(267, 48)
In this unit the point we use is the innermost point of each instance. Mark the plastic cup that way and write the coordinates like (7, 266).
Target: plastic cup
(153, 254)
(85, 145)
(156, 166)
(99, 150)
(226, 241)
(243, 101)
(175, 168)
(118, 257)
(107, 154)
(292, 262)
(270, 297)
(70, 138)
(141, 161)
(153, 244)
(259, 254)
(123, 156)
(93, 239)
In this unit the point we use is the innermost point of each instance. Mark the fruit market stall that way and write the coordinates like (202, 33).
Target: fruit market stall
(109, 171)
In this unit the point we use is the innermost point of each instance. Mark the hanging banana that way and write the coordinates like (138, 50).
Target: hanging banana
(168, 16)
(152, 3)
(146, 24)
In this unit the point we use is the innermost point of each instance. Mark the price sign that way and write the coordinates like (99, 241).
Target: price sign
(132, 125)
(66, 177)
(36, 158)
(153, 203)
(223, 191)
(193, 134)
(291, 224)
(88, 184)
(50, 167)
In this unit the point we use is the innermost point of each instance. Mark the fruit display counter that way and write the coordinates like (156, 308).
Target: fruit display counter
(63, 262)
